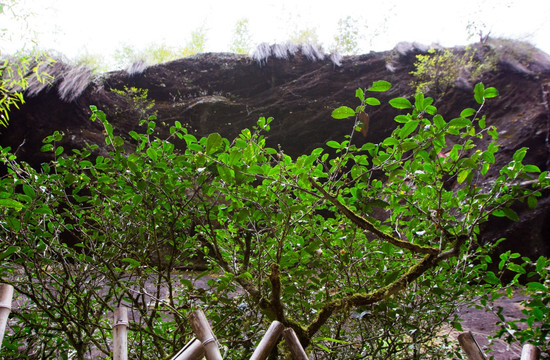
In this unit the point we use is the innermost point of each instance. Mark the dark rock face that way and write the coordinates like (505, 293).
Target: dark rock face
(225, 93)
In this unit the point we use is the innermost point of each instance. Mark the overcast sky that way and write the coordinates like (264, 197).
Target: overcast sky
(74, 27)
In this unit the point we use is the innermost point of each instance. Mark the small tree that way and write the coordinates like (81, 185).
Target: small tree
(364, 250)
(242, 41)
(161, 52)
(347, 36)
(17, 70)
(197, 44)
(437, 71)
(307, 36)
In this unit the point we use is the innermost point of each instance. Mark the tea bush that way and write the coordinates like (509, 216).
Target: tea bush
(364, 250)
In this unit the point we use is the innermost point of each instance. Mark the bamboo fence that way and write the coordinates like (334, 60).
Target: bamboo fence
(206, 344)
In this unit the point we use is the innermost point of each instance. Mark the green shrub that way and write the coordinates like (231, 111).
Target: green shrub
(437, 71)
(364, 253)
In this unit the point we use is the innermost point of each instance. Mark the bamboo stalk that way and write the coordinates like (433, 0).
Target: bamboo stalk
(470, 346)
(193, 350)
(6, 296)
(120, 334)
(204, 333)
(296, 349)
(269, 340)
(530, 352)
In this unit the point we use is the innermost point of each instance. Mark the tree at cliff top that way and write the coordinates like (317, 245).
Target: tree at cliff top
(347, 37)
(160, 52)
(18, 69)
(364, 251)
(242, 41)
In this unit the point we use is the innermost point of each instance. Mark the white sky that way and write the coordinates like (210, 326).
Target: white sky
(74, 27)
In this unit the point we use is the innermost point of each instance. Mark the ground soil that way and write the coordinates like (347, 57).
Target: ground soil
(483, 326)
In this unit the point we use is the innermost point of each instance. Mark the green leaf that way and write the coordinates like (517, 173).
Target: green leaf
(402, 119)
(408, 145)
(460, 122)
(479, 91)
(152, 154)
(493, 132)
(400, 103)
(46, 147)
(491, 278)
(59, 150)
(536, 286)
(488, 156)
(541, 264)
(133, 263)
(516, 268)
(213, 143)
(118, 141)
(490, 92)
(390, 141)
(431, 109)
(439, 122)
(463, 175)
(14, 223)
(520, 154)
(532, 202)
(334, 144)
(9, 203)
(10, 250)
(360, 94)
(419, 102)
(532, 168)
(408, 128)
(467, 112)
(482, 123)
(137, 199)
(380, 86)
(225, 173)
(510, 214)
(29, 191)
(373, 101)
(343, 112)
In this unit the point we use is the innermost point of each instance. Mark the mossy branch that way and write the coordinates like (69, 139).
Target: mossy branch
(373, 297)
(369, 226)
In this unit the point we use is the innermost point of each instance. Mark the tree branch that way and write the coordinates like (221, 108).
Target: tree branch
(355, 300)
(367, 225)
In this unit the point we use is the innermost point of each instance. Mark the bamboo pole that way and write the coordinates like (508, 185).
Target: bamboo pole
(193, 350)
(296, 349)
(120, 334)
(269, 340)
(470, 346)
(530, 352)
(204, 333)
(6, 296)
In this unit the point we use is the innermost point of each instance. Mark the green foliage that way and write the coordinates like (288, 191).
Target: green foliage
(346, 40)
(305, 36)
(197, 44)
(15, 74)
(160, 52)
(364, 250)
(242, 41)
(438, 71)
(95, 62)
(17, 70)
(139, 101)
(530, 278)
